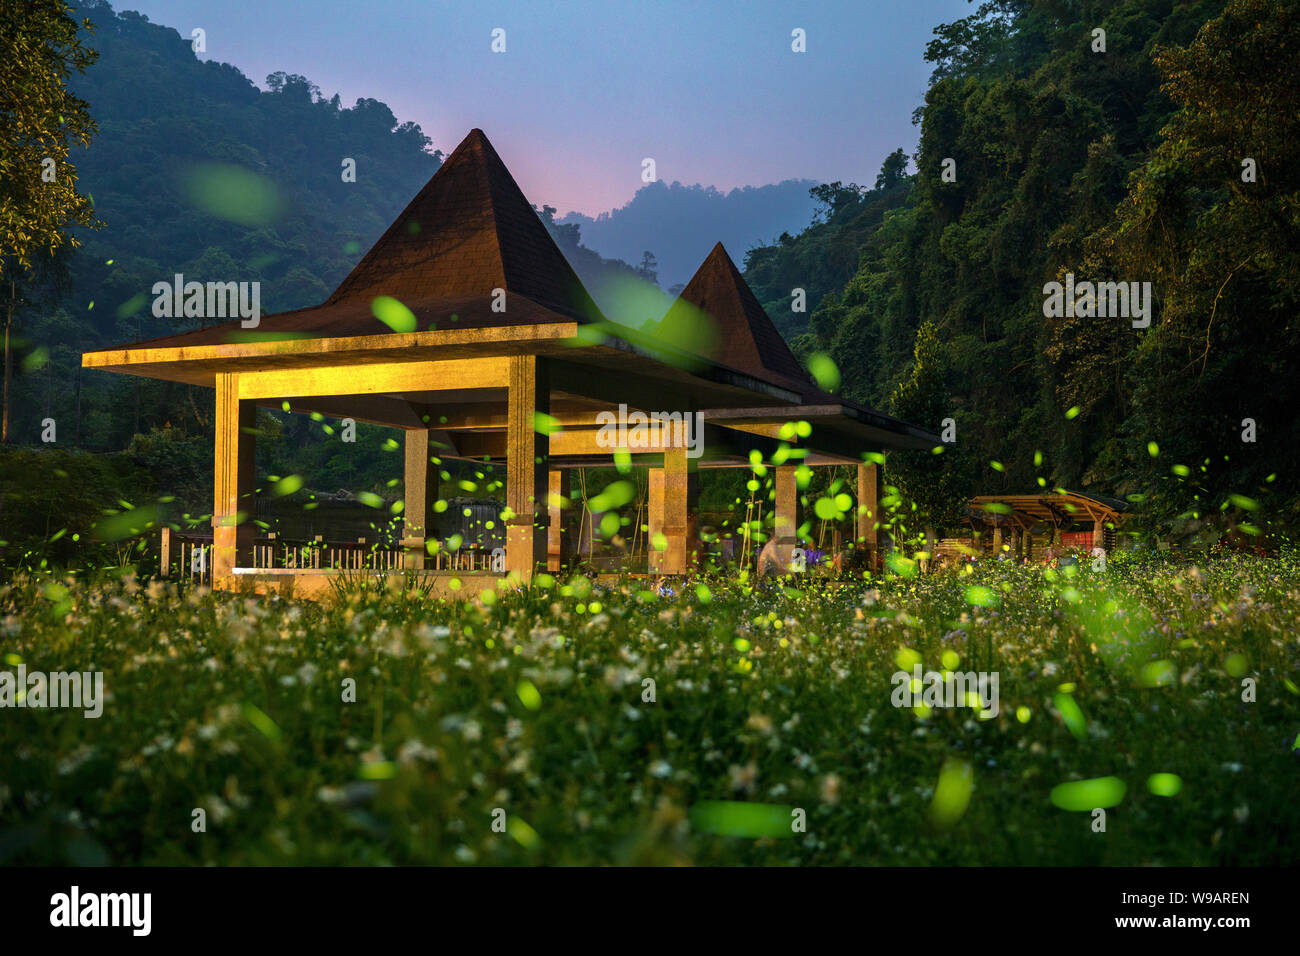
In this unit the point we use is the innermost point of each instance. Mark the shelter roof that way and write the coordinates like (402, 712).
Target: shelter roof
(1056, 508)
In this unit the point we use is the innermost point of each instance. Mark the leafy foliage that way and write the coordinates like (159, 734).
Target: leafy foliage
(825, 255)
(535, 702)
(40, 120)
(1041, 155)
(1225, 254)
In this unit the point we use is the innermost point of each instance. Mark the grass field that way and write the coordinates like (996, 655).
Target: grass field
(518, 730)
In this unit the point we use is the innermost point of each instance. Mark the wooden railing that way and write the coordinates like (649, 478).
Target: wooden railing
(189, 556)
(317, 554)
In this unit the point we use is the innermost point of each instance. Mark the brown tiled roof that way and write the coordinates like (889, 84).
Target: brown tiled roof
(743, 337)
(467, 232)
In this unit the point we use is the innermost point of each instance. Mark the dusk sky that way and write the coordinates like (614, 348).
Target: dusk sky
(588, 88)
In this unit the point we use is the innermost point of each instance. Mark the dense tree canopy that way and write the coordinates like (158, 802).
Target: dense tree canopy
(1048, 148)
(40, 120)
(1136, 141)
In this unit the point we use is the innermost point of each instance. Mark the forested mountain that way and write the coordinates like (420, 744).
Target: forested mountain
(680, 224)
(196, 171)
(1132, 141)
(1112, 156)
(826, 254)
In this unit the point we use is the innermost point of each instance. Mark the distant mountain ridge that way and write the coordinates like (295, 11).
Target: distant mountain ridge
(214, 178)
(209, 176)
(681, 224)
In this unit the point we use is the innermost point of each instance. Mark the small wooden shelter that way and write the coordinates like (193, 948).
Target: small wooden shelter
(504, 332)
(1056, 515)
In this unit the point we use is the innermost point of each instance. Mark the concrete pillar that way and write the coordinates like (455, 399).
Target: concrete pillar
(234, 481)
(527, 451)
(787, 509)
(165, 553)
(693, 548)
(669, 513)
(868, 509)
(420, 492)
(559, 544)
(655, 507)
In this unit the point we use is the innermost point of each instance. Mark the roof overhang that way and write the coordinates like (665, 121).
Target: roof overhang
(599, 366)
(854, 424)
(200, 364)
(1056, 509)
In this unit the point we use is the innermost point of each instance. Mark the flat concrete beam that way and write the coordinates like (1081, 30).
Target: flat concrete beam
(199, 364)
(378, 378)
(719, 444)
(389, 411)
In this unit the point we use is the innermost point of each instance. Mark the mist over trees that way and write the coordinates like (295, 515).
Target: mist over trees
(680, 224)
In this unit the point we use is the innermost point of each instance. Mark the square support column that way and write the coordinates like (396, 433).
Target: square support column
(527, 451)
(869, 510)
(656, 506)
(693, 549)
(559, 544)
(165, 552)
(786, 524)
(420, 490)
(234, 481)
(997, 541)
(673, 495)
(1098, 534)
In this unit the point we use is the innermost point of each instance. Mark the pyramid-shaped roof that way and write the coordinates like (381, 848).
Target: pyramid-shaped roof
(742, 335)
(468, 231)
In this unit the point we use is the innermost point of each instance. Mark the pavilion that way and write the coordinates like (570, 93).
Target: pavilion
(1055, 514)
(504, 331)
